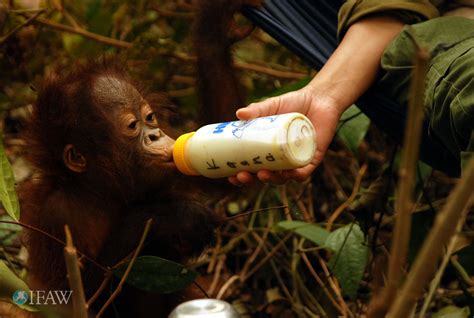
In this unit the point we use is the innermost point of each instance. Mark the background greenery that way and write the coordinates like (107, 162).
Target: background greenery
(282, 260)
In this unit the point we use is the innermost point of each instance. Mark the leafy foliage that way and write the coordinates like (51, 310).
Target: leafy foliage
(157, 49)
(350, 256)
(8, 232)
(10, 283)
(350, 251)
(8, 194)
(157, 275)
(312, 232)
(452, 312)
(352, 127)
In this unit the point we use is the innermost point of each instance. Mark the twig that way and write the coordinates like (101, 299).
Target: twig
(443, 229)
(201, 289)
(276, 271)
(217, 274)
(284, 199)
(254, 211)
(93, 36)
(436, 280)
(266, 258)
(227, 284)
(269, 71)
(455, 293)
(461, 272)
(233, 242)
(322, 284)
(256, 206)
(188, 91)
(128, 270)
(30, 227)
(25, 10)
(99, 290)
(260, 246)
(245, 66)
(310, 299)
(404, 202)
(311, 202)
(215, 251)
(74, 277)
(299, 202)
(183, 79)
(331, 178)
(347, 203)
(334, 286)
(21, 25)
(172, 14)
(309, 313)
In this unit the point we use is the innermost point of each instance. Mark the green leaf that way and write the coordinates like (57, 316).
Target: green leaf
(350, 257)
(8, 232)
(7, 186)
(309, 231)
(452, 312)
(155, 274)
(9, 284)
(352, 128)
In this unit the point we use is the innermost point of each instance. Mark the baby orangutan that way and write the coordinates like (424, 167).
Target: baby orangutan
(103, 167)
(103, 163)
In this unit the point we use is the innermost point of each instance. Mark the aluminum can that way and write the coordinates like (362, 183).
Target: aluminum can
(204, 308)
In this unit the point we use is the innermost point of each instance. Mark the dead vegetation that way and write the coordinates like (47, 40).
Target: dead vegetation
(320, 248)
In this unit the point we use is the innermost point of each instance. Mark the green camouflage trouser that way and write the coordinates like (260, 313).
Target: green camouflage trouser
(449, 96)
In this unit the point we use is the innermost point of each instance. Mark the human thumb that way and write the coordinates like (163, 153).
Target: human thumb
(246, 113)
(264, 108)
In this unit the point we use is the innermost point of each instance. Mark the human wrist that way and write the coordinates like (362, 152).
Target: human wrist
(353, 67)
(328, 94)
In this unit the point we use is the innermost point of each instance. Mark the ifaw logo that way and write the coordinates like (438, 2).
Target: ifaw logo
(42, 297)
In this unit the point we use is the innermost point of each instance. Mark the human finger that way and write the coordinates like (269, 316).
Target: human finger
(274, 177)
(265, 108)
(234, 181)
(300, 174)
(241, 178)
(245, 178)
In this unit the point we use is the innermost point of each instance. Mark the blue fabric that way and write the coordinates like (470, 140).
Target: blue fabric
(308, 28)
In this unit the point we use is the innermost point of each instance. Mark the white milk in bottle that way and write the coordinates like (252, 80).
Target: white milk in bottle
(278, 142)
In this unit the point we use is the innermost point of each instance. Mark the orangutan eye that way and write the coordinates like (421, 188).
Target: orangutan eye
(150, 117)
(133, 124)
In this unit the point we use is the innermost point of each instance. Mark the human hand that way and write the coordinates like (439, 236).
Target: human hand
(341, 81)
(322, 110)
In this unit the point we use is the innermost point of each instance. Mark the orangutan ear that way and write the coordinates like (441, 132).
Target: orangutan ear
(73, 159)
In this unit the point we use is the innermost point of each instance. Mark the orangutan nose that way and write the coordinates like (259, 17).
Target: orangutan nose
(153, 137)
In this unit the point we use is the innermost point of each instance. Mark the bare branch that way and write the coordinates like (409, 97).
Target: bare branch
(93, 36)
(74, 277)
(404, 201)
(443, 229)
(128, 270)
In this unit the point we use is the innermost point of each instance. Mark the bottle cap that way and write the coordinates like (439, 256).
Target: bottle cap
(179, 156)
(300, 141)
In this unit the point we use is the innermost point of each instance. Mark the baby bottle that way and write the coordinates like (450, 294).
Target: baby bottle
(278, 142)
